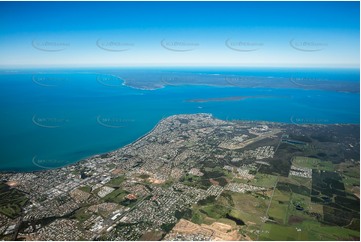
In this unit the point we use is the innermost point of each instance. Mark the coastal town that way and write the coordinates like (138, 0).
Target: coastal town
(184, 180)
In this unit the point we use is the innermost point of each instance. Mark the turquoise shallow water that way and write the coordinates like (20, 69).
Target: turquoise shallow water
(52, 120)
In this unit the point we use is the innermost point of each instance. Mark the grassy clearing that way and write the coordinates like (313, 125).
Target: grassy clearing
(282, 196)
(296, 180)
(152, 236)
(313, 163)
(300, 208)
(250, 209)
(279, 207)
(115, 196)
(198, 217)
(324, 232)
(235, 213)
(351, 183)
(227, 221)
(301, 200)
(278, 212)
(263, 180)
(87, 189)
(308, 230)
(11, 201)
(281, 232)
(116, 182)
(349, 169)
(215, 211)
(82, 214)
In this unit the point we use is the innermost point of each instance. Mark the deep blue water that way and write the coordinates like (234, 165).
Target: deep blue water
(70, 116)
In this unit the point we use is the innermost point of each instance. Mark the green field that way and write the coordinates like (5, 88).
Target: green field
(236, 214)
(115, 196)
(298, 181)
(85, 189)
(250, 208)
(209, 207)
(352, 184)
(11, 201)
(307, 230)
(82, 214)
(264, 180)
(279, 206)
(313, 163)
(350, 176)
(116, 182)
(198, 217)
(215, 211)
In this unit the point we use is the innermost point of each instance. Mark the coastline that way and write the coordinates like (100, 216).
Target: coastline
(223, 80)
(86, 159)
(150, 160)
(141, 137)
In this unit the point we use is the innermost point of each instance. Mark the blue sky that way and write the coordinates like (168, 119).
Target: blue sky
(284, 34)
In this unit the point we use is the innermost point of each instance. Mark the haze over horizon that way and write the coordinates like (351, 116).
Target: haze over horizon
(240, 34)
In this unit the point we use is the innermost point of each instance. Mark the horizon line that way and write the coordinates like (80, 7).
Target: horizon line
(177, 66)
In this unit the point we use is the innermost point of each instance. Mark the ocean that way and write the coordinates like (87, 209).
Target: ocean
(51, 118)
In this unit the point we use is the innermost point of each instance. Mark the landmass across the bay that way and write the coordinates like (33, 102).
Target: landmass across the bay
(195, 177)
(156, 79)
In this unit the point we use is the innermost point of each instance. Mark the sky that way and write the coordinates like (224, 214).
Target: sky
(107, 34)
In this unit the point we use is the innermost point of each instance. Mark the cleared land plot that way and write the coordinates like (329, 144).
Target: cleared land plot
(115, 196)
(11, 201)
(298, 181)
(250, 208)
(312, 163)
(263, 180)
(116, 182)
(307, 230)
(278, 210)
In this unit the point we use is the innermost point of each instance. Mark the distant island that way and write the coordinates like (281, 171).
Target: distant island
(156, 79)
(195, 177)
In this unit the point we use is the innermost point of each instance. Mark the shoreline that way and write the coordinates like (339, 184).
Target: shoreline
(243, 83)
(99, 154)
(85, 159)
